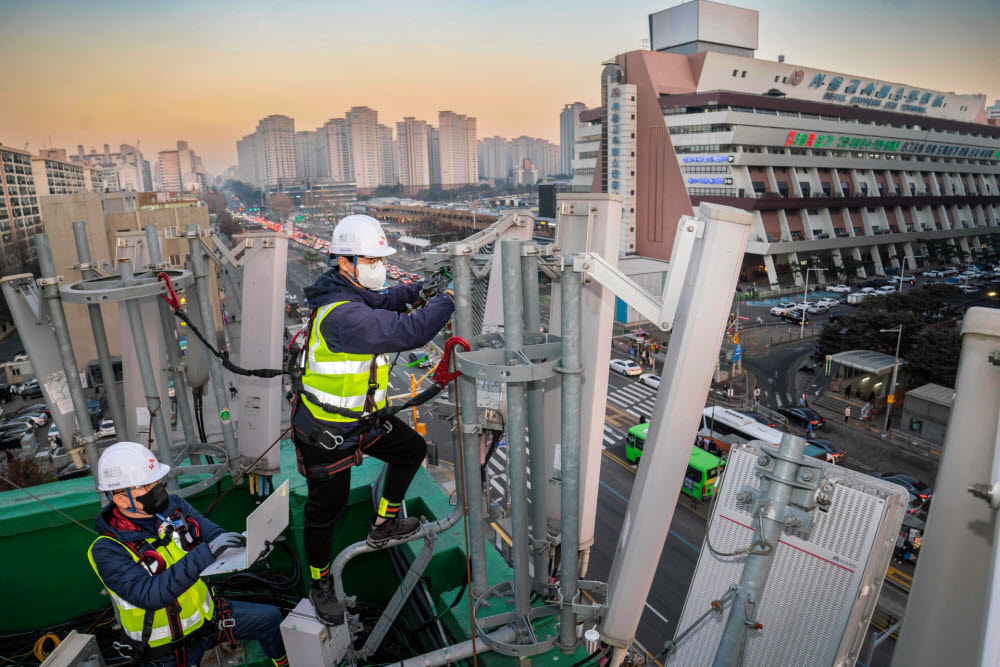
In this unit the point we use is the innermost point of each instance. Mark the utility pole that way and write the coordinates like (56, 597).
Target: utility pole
(895, 369)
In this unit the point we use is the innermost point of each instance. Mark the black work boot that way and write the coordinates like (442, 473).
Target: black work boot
(391, 529)
(324, 600)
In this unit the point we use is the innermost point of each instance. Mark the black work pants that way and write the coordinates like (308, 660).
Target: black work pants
(402, 448)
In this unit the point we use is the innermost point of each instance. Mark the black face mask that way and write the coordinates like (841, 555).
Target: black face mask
(155, 500)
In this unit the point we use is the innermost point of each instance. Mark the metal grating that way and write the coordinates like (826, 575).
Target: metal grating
(820, 584)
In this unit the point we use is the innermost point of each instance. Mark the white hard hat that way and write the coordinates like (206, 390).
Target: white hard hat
(124, 465)
(360, 235)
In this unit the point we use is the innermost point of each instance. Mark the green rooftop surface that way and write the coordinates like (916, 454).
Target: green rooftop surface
(43, 555)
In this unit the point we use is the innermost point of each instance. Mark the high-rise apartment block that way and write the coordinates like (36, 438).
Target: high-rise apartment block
(434, 155)
(457, 148)
(20, 216)
(387, 155)
(308, 155)
(493, 157)
(268, 155)
(180, 170)
(335, 150)
(61, 177)
(411, 150)
(362, 128)
(569, 124)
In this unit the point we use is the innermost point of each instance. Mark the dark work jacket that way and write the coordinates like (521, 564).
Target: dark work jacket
(129, 580)
(370, 323)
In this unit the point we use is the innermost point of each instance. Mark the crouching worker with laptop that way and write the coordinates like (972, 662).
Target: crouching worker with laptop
(150, 555)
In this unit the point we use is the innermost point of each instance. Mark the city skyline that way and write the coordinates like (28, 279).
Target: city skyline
(207, 78)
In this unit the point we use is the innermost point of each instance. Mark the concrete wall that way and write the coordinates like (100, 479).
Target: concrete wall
(59, 212)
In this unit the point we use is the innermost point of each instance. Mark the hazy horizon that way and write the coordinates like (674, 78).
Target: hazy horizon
(121, 72)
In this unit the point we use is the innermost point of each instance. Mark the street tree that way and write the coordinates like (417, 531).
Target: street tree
(280, 204)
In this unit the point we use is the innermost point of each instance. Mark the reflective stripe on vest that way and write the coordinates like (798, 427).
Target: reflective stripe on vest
(340, 378)
(196, 603)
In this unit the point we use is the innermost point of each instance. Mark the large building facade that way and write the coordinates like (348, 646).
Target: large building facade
(20, 215)
(457, 146)
(362, 128)
(569, 125)
(412, 154)
(268, 154)
(844, 174)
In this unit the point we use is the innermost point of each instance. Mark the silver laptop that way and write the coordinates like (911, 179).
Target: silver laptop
(264, 525)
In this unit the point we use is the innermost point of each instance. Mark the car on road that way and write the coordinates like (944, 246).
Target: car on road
(968, 289)
(31, 391)
(931, 274)
(834, 317)
(626, 367)
(803, 416)
(782, 308)
(867, 290)
(829, 303)
(106, 429)
(760, 419)
(885, 289)
(650, 380)
(11, 437)
(32, 420)
(949, 272)
(34, 408)
(818, 309)
(910, 483)
(796, 316)
(839, 289)
(907, 278)
(406, 280)
(809, 370)
(54, 435)
(418, 358)
(835, 454)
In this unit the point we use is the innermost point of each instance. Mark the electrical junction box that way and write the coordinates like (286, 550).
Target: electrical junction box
(311, 643)
(76, 650)
(823, 585)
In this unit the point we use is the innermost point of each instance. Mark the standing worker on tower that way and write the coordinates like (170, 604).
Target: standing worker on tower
(354, 325)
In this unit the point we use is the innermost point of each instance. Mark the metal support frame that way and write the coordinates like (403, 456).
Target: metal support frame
(50, 292)
(517, 446)
(158, 425)
(957, 583)
(540, 542)
(706, 291)
(787, 491)
(662, 312)
(399, 598)
(111, 390)
(572, 376)
(174, 366)
(466, 388)
(429, 531)
(197, 253)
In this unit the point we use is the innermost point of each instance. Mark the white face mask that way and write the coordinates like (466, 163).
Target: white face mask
(371, 276)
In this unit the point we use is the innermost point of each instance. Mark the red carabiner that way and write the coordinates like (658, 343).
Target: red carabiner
(442, 376)
(171, 296)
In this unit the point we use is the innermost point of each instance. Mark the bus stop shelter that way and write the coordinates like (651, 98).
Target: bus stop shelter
(862, 375)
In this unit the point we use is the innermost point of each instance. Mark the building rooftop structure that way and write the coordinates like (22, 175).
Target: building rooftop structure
(934, 393)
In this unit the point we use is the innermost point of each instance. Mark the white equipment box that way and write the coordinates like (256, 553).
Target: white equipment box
(823, 585)
(311, 643)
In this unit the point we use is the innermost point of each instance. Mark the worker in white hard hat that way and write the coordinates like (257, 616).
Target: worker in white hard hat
(355, 324)
(151, 551)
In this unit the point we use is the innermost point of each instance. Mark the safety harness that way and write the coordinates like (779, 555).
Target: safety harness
(182, 531)
(369, 419)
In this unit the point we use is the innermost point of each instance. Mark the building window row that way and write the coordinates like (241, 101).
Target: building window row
(717, 192)
(693, 129)
(705, 169)
(704, 148)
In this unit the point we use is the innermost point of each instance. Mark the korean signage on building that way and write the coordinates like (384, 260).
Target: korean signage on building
(620, 166)
(844, 141)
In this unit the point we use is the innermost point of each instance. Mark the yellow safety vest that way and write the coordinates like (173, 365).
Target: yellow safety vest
(339, 378)
(197, 605)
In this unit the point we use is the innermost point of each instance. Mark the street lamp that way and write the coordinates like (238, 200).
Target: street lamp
(895, 369)
(805, 295)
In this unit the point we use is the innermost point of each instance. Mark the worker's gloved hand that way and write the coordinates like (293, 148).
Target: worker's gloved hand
(450, 290)
(226, 541)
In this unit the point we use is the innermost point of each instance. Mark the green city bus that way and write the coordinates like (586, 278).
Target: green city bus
(702, 471)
